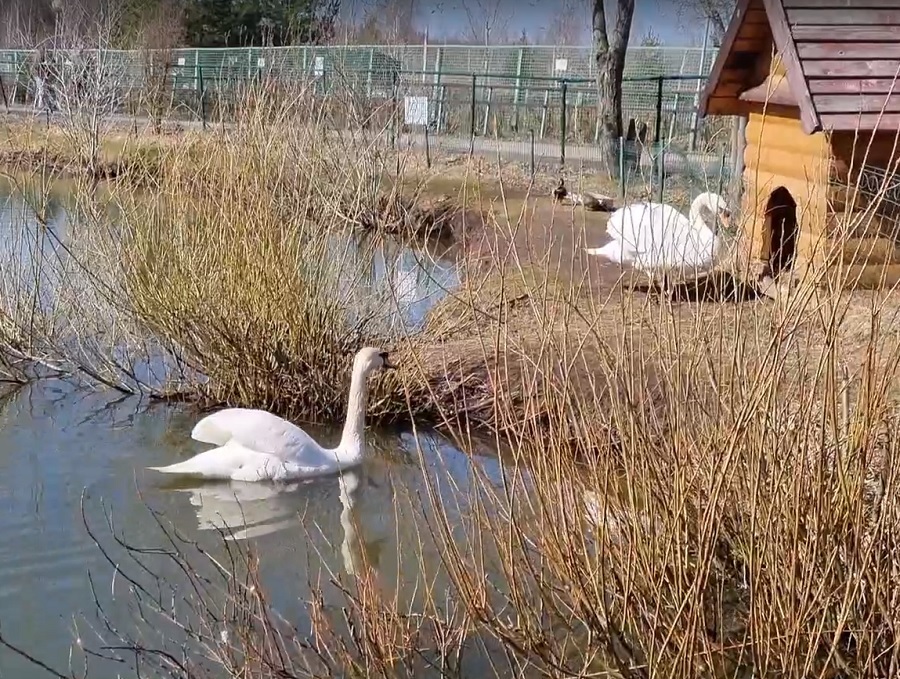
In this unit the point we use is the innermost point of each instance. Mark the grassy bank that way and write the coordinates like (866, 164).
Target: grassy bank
(236, 271)
(710, 486)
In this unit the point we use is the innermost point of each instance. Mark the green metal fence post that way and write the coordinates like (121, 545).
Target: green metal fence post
(657, 131)
(369, 73)
(564, 86)
(622, 167)
(472, 116)
(661, 185)
(437, 92)
(202, 86)
(3, 90)
(394, 107)
(532, 154)
(575, 127)
(517, 93)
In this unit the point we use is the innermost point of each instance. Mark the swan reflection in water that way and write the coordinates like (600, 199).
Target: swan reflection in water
(375, 519)
(245, 510)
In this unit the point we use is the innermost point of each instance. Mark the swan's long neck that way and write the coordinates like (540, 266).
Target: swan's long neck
(353, 437)
(701, 227)
(695, 215)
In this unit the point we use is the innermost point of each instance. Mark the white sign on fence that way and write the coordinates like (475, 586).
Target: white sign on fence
(562, 64)
(416, 110)
(181, 61)
(319, 66)
(260, 62)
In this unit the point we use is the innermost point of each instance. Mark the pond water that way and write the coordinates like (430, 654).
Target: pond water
(62, 450)
(73, 460)
(402, 281)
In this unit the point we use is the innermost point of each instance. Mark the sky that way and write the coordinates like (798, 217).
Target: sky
(449, 17)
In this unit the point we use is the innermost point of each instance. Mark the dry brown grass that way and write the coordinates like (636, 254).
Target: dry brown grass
(698, 490)
(738, 456)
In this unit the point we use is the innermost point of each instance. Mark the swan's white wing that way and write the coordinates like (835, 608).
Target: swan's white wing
(623, 228)
(696, 248)
(232, 461)
(614, 251)
(255, 429)
(237, 462)
(615, 226)
(656, 232)
(640, 224)
(663, 226)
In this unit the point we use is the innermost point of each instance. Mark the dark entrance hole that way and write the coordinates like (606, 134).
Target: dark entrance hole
(781, 226)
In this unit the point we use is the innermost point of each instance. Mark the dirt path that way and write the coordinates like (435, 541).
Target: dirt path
(546, 151)
(536, 230)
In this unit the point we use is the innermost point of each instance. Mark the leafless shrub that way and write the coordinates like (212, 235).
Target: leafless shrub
(82, 80)
(161, 31)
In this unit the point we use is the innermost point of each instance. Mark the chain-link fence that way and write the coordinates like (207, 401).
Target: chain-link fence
(436, 64)
(528, 103)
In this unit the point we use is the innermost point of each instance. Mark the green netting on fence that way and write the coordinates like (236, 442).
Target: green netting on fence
(453, 61)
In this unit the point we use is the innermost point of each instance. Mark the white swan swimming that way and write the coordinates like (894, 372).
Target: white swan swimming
(657, 239)
(254, 445)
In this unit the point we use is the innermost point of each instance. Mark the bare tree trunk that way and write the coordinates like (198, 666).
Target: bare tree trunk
(609, 56)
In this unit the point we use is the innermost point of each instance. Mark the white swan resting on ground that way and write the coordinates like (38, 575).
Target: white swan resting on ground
(657, 239)
(254, 445)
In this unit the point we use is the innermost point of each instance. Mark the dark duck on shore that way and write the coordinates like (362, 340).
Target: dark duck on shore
(560, 192)
(593, 202)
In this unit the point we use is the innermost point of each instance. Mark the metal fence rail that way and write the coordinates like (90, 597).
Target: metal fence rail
(523, 61)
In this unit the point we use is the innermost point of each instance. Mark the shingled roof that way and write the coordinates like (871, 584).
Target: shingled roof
(841, 62)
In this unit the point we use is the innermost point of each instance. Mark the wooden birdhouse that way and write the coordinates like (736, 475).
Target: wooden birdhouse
(818, 82)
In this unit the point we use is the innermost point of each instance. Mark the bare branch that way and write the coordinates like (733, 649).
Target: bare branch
(570, 25)
(487, 21)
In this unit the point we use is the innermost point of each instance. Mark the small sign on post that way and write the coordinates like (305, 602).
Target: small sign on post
(260, 62)
(562, 65)
(319, 66)
(415, 110)
(181, 61)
